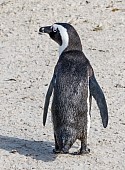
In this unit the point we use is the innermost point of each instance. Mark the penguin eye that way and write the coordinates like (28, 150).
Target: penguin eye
(54, 29)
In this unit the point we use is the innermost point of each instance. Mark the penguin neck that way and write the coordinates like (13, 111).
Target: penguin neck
(70, 45)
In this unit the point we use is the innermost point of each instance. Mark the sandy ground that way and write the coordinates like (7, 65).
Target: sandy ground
(27, 61)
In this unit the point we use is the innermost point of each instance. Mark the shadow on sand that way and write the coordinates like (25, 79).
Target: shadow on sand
(39, 150)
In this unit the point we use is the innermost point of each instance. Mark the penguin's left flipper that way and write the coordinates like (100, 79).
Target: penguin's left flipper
(47, 100)
(98, 95)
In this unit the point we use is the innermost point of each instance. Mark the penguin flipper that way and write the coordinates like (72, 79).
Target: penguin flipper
(98, 95)
(47, 100)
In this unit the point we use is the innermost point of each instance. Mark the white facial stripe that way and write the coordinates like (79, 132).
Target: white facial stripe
(88, 109)
(64, 36)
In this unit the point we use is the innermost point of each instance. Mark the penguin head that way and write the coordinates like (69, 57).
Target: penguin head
(65, 35)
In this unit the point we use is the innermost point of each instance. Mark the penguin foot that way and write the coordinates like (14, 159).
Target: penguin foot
(63, 151)
(82, 152)
(86, 151)
(55, 151)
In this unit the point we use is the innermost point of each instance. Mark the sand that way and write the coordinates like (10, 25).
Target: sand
(27, 61)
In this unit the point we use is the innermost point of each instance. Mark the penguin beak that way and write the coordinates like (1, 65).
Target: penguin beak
(47, 29)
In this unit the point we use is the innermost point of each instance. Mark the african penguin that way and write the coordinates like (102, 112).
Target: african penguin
(73, 84)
